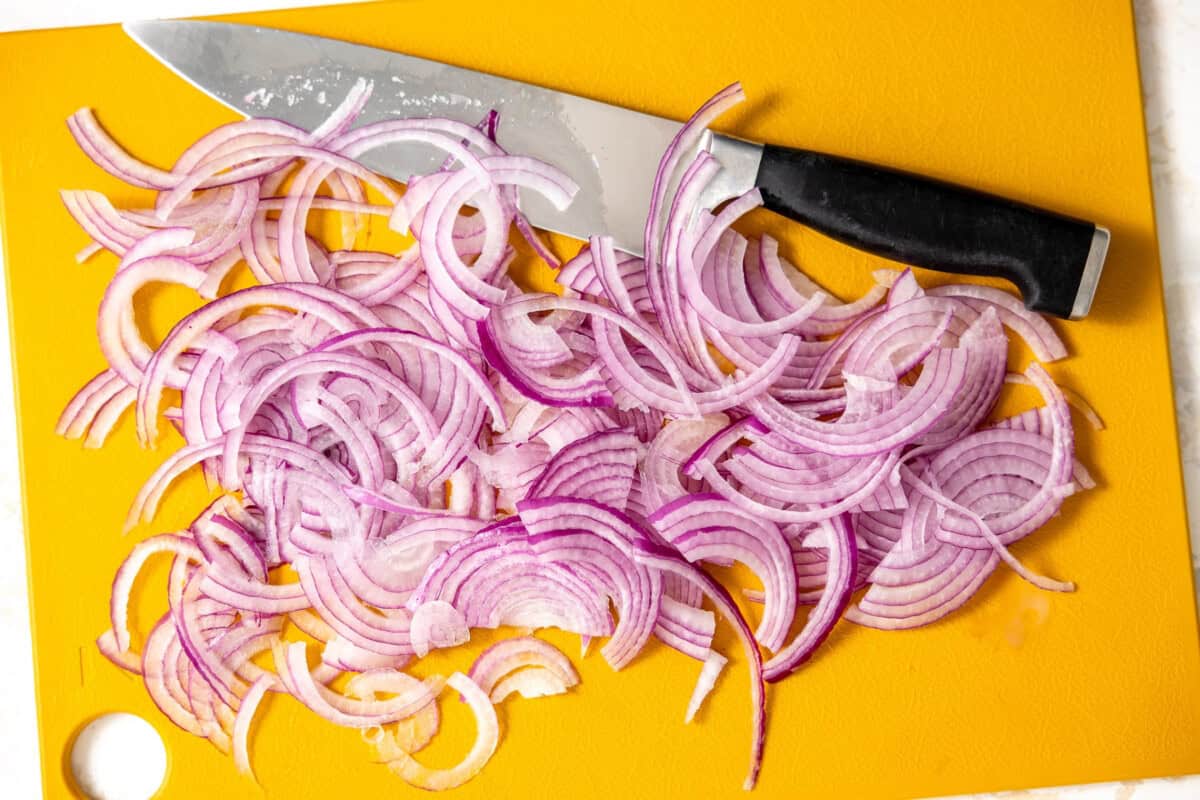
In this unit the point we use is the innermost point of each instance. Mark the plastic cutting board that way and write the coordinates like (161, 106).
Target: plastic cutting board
(1018, 689)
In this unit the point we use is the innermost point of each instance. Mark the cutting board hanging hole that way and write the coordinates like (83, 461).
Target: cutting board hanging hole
(118, 756)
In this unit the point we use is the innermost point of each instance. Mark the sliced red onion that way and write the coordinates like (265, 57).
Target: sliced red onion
(681, 623)
(910, 599)
(530, 683)
(703, 248)
(839, 543)
(1034, 329)
(626, 533)
(123, 582)
(902, 421)
(778, 287)
(487, 736)
(241, 725)
(713, 664)
(411, 734)
(107, 644)
(337, 708)
(599, 467)
(436, 625)
(345, 656)
(512, 657)
(673, 446)
(429, 448)
(708, 527)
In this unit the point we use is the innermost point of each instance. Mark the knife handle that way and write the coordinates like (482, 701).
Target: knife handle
(1055, 260)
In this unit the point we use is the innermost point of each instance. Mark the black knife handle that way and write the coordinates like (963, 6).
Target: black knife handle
(1055, 260)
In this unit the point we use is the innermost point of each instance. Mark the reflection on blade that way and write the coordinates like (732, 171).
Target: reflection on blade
(611, 152)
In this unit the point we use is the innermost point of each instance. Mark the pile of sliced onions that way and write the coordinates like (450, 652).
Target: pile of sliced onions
(430, 449)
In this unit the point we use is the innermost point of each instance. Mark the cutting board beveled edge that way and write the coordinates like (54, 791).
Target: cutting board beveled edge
(1019, 689)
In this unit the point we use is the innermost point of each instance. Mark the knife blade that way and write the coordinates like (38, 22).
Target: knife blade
(613, 153)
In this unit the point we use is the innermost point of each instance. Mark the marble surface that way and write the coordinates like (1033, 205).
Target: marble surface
(1169, 40)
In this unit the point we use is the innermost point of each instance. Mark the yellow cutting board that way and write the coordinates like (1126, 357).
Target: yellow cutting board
(1020, 688)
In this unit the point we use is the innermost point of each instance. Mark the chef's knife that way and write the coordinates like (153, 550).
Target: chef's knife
(613, 152)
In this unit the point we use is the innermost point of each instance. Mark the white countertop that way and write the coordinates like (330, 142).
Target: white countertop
(1169, 39)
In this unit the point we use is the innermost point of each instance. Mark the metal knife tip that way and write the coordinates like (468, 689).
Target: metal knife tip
(157, 35)
(137, 29)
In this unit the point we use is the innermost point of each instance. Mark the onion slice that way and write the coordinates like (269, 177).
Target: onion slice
(436, 625)
(487, 736)
(241, 725)
(406, 443)
(709, 672)
(496, 669)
